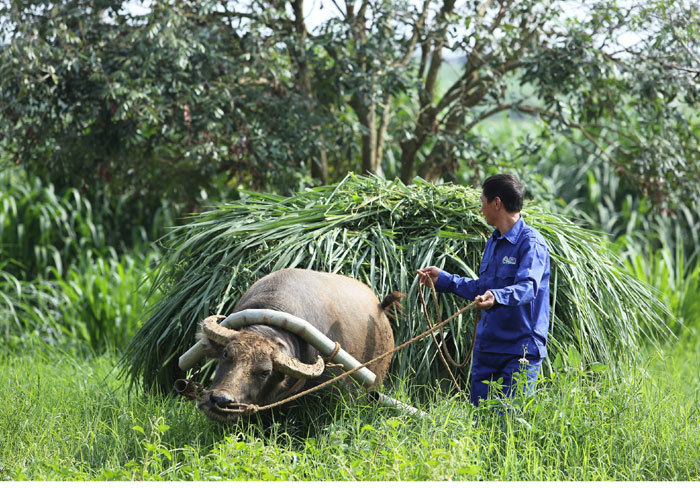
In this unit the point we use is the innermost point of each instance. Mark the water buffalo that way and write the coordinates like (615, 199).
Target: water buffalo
(260, 364)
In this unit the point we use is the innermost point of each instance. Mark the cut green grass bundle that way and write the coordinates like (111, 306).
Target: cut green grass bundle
(381, 232)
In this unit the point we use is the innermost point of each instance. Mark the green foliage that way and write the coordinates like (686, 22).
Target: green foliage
(677, 279)
(583, 424)
(103, 299)
(60, 280)
(159, 106)
(381, 232)
(42, 229)
(195, 95)
(632, 108)
(596, 192)
(97, 304)
(24, 310)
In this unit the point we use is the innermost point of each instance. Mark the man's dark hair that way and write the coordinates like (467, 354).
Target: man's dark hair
(506, 187)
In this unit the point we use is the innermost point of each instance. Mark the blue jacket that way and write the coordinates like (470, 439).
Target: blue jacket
(515, 267)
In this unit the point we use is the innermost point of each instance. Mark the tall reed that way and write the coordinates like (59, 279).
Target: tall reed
(40, 229)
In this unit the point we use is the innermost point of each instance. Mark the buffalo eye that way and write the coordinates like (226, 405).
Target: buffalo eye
(224, 355)
(264, 373)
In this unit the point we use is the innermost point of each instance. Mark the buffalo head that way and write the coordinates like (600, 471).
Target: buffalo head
(252, 369)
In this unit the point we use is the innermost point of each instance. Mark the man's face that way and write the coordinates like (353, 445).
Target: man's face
(488, 209)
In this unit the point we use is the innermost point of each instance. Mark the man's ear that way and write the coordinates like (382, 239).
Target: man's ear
(498, 202)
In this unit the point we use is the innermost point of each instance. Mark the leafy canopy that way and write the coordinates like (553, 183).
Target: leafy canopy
(96, 98)
(194, 93)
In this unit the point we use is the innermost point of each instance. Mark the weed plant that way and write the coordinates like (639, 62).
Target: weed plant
(61, 277)
(103, 300)
(676, 278)
(25, 312)
(44, 231)
(71, 419)
(596, 192)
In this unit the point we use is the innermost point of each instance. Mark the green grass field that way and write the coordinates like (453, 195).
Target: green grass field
(67, 418)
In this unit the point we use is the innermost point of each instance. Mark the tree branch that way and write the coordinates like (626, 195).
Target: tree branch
(680, 68)
(436, 52)
(346, 14)
(417, 30)
(363, 10)
(499, 17)
(480, 14)
(489, 113)
(304, 76)
(383, 127)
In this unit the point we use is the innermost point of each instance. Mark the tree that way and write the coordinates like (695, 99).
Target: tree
(570, 66)
(159, 106)
(246, 87)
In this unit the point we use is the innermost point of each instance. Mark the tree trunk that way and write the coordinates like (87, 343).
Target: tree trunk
(381, 132)
(367, 116)
(409, 150)
(369, 142)
(319, 166)
(439, 161)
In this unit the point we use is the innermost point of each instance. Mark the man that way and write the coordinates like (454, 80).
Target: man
(512, 291)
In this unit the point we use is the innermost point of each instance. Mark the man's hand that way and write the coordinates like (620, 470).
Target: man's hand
(428, 275)
(485, 301)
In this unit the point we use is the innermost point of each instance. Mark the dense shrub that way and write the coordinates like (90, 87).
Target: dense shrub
(62, 279)
(97, 304)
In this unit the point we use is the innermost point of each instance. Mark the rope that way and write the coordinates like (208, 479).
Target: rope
(250, 408)
(334, 353)
(441, 346)
(442, 339)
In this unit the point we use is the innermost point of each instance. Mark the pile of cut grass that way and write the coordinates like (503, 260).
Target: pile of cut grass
(380, 232)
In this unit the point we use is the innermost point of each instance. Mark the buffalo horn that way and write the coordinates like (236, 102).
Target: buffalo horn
(216, 333)
(293, 367)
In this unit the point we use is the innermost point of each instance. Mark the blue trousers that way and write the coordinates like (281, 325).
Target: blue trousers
(488, 366)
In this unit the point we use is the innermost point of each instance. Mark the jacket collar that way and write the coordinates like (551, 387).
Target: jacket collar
(513, 234)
